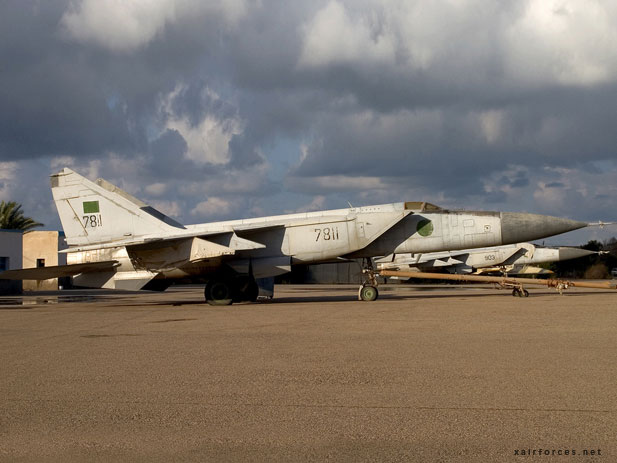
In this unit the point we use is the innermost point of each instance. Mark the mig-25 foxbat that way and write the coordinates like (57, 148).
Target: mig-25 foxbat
(510, 259)
(117, 241)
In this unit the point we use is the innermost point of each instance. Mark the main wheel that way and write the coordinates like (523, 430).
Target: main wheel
(516, 293)
(218, 292)
(368, 293)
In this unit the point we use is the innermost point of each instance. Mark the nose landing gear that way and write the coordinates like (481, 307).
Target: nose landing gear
(368, 291)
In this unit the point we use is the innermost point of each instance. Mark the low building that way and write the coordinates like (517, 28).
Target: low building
(31, 249)
(40, 249)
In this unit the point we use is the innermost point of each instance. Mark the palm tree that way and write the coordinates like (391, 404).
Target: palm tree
(12, 217)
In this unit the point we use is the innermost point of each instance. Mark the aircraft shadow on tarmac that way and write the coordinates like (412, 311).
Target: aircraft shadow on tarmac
(12, 303)
(478, 295)
(329, 299)
(349, 297)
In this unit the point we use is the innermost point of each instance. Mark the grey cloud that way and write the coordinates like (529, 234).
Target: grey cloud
(243, 152)
(519, 183)
(431, 152)
(166, 158)
(413, 130)
(51, 104)
(496, 197)
(65, 98)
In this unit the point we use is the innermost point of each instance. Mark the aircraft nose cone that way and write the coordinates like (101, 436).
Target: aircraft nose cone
(518, 227)
(573, 253)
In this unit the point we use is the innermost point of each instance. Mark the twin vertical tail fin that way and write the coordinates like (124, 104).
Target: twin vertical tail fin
(99, 212)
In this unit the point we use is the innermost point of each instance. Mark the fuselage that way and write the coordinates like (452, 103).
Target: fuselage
(270, 245)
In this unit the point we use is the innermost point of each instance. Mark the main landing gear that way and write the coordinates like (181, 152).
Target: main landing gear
(368, 291)
(227, 289)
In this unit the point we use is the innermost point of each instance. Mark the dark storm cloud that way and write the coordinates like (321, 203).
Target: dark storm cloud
(60, 97)
(518, 179)
(167, 156)
(51, 96)
(462, 103)
(449, 151)
(431, 151)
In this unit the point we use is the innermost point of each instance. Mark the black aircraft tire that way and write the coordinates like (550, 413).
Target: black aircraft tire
(218, 292)
(369, 293)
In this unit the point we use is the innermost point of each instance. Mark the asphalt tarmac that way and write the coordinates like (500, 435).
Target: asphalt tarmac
(422, 374)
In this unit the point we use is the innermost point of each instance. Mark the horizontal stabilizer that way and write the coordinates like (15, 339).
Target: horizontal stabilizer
(57, 271)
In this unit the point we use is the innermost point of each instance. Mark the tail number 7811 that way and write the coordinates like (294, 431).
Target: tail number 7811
(92, 220)
(326, 234)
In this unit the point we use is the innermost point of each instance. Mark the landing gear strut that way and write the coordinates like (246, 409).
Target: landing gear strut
(368, 291)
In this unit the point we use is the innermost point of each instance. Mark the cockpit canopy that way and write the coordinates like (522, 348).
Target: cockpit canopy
(421, 206)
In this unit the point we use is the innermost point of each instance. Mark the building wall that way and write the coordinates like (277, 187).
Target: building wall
(40, 245)
(11, 247)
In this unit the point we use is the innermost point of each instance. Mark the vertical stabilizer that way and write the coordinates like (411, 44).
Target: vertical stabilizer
(99, 212)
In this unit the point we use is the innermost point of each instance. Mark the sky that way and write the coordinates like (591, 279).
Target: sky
(213, 110)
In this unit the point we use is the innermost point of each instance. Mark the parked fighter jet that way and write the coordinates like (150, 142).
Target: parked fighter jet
(117, 241)
(510, 259)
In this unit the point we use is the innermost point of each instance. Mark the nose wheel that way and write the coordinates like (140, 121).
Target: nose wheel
(368, 293)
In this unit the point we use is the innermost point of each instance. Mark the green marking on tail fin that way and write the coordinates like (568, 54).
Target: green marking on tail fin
(91, 207)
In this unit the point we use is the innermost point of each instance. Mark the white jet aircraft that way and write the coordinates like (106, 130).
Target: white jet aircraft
(117, 241)
(510, 259)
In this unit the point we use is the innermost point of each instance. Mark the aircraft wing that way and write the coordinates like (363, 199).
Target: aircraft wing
(523, 249)
(427, 259)
(157, 241)
(45, 273)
